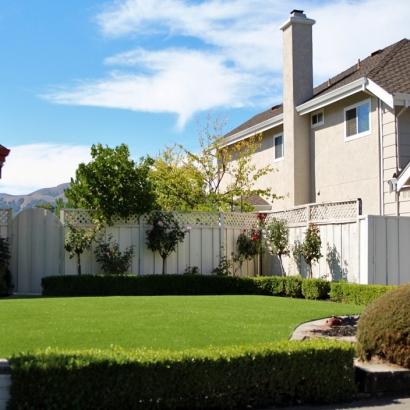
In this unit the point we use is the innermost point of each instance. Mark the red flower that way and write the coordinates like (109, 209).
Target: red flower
(261, 216)
(255, 237)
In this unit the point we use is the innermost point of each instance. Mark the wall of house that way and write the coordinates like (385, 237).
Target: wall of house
(345, 170)
(389, 158)
(404, 155)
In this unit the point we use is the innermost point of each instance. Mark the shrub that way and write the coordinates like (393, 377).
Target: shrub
(315, 288)
(355, 294)
(270, 285)
(278, 236)
(112, 261)
(384, 327)
(249, 245)
(293, 286)
(282, 373)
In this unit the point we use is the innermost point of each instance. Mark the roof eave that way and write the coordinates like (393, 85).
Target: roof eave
(256, 129)
(362, 84)
(402, 99)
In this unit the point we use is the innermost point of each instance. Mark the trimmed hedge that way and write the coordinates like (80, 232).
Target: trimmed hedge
(315, 288)
(284, 373)
(355, 294)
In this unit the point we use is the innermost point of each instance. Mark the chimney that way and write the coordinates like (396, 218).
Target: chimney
(297, 89)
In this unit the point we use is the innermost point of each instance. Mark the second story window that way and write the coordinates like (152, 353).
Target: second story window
(278, 147)
(357, 120)
(317, 119)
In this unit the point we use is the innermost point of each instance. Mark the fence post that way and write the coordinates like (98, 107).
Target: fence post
(221, 235)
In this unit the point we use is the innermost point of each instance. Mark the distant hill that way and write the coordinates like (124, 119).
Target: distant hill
(41, 196)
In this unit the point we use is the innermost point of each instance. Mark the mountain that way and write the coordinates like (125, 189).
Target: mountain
(41, 196)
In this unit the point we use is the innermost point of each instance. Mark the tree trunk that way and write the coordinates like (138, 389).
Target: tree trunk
(282, 270)
(163, 265)
(78, 264)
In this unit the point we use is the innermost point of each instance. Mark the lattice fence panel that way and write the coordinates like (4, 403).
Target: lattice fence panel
(338, 210)
(4, 216)
(240, 220)
(78, 217)
(291, 216)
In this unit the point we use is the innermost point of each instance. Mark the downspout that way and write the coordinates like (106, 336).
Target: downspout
(381, 158)
(406, 105)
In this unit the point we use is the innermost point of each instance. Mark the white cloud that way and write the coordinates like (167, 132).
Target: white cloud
(240, 60)
(35, 166)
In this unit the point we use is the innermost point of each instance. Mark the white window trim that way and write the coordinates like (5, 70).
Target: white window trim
(318, 123)
(283, 147)
(362, 134)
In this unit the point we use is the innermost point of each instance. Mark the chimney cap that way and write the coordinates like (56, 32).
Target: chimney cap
(297, 17)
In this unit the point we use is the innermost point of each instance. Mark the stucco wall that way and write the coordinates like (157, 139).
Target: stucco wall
(340, 169)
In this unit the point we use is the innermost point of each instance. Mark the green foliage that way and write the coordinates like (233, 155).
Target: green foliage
(226, 266)
(6, 279)
(112, 260)
(355, 294)
(47, 205)
(278, 236)
(79, 240)
(164, 234)
(384, 327)
(310, 248)
(214, 179)
(293, 286)
(314, 371)
(192, 270)
(315, 288)
(112, 185)
(249, 244)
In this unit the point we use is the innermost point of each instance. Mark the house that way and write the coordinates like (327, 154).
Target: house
(347, 138)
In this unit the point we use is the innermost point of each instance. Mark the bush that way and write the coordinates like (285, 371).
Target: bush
(355, 294)
(384, 327)
(283, 373)
(293, 286)
(6, 279)
(315, 288)
(112, 261)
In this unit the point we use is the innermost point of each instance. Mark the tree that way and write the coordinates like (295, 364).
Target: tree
(79, 240)
(112, 185)
(278, 236)
(310, 248)
(164, 234)
(47, 205)
(214, 179)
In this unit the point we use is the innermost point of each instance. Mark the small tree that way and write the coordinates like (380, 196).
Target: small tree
(278, 235)
(112, 185)
(310, 248)
(164, 234)
(79, 240)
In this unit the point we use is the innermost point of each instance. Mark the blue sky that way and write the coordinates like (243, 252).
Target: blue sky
(78, 72)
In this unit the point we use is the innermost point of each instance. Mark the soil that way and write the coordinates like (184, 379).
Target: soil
(337, 331)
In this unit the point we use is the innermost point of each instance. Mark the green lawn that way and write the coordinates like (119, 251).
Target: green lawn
(173, 322)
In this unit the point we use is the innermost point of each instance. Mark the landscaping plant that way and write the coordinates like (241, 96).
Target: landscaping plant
(310, 248)
(384, 327)
(112, 260)
(277, 234)
(164, 234)
(78, 240)
(249, 245)
(6, 279)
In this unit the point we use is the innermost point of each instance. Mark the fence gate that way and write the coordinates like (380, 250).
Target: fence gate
(36, 247)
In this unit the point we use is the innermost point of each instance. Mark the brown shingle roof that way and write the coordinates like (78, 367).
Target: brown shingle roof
(389, 68)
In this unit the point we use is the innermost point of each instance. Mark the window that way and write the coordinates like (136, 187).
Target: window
(357, 120)
(317, 119)
(278, 147)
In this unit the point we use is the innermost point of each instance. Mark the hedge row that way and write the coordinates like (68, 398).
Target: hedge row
(270, 374)
(160, 285)
(355, 294)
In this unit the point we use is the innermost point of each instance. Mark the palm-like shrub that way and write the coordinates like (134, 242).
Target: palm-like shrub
(384, 327)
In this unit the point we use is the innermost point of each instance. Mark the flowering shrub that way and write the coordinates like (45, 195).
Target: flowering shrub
(164, 234)
(6, 280)
(278, 236)
(249, 244)
(112, 261)
(310, 248)
(79, 240)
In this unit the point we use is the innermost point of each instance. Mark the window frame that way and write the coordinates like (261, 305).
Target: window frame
(280, 134)
(318, 124)
(363, 133)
